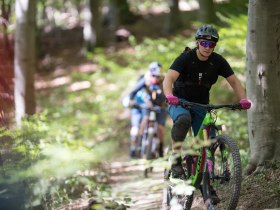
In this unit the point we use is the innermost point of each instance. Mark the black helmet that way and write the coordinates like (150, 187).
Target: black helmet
(207, 32)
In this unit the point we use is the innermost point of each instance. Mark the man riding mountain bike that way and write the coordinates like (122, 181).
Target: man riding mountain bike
(150, 83)
(191, 77)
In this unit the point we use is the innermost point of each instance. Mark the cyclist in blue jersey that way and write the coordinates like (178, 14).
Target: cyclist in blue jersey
(152, 80)
(136, 116)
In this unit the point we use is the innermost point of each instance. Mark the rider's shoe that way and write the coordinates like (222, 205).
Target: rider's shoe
(160, 150)
(214, 197)
(177, 170)
(132, 154)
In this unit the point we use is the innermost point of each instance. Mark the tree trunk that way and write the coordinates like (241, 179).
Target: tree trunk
(95, 7)
(113, 15)
(25, 58)
(207, 11)
(173, 21)
(6, 67)
(125, 15)
(263, 76)
(92, 32)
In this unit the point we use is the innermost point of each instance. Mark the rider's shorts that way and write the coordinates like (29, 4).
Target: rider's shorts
(135, 117)
(161, 116)
(197, 115)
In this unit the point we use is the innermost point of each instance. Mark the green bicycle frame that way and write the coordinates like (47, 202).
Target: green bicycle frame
(204, 153)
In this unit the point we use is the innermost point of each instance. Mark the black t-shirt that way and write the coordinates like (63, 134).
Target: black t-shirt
(196, 77)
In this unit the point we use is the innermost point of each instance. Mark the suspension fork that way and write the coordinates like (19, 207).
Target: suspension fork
(209, 132)
(224, 152)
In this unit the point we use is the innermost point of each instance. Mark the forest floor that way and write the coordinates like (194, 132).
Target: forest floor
(259, 191)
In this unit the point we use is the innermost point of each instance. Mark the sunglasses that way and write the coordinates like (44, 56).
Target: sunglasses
(207, 44)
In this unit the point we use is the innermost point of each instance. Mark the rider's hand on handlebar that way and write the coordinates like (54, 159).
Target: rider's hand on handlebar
(245, 103)
(172, 100)
(131, 103)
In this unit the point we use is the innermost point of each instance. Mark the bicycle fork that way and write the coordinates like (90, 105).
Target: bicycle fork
(210, 133)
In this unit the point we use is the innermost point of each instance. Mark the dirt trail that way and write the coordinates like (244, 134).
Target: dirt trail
(128, 180)
(145, 193)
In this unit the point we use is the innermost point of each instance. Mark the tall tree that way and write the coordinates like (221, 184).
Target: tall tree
(125, 16)
(93, 32)
(25, 58)
(263, 76)
(173, 21)
(207, 11)
(6, 65)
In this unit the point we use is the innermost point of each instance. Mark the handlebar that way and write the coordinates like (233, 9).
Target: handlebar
(209, 107)
(154, 108)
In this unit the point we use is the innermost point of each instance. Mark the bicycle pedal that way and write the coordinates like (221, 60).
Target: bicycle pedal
(215, 200)
(210, 207)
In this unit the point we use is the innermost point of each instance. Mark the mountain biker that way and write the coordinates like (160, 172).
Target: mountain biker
(136, 116)
(152, 80)
(191, 77)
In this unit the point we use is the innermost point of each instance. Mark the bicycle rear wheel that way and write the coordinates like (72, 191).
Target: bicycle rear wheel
(227, 173)
(150, 151)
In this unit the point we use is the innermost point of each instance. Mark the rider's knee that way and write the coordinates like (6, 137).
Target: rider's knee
(145, 120)
(134, 131)
(180, 128)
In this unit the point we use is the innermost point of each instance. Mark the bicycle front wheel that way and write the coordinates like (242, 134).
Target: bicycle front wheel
(227, 172)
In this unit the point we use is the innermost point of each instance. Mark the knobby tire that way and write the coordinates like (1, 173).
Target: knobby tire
(149, 152)
(228, 191)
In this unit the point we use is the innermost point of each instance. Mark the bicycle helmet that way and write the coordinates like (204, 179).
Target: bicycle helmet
(207, 32)
(155, 68)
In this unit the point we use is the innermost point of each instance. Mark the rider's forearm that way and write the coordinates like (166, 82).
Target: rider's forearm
(237, 87)
(167, 86)
(138, 87)
(239, 91)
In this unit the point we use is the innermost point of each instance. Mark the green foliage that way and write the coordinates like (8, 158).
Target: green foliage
(144, 6)
(58, 152)
(54, 166)
(23, 146)
(233, 40)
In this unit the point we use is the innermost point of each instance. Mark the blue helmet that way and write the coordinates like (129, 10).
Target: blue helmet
(155, 68)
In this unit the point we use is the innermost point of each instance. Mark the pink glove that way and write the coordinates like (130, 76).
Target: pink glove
(245, 103)
(172, 100)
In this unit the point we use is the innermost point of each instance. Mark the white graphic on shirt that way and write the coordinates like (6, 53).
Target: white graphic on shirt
(199, 78)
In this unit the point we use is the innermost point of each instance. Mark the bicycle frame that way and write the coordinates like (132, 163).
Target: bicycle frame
(199, 161)
(150, 134)
(200, 167)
